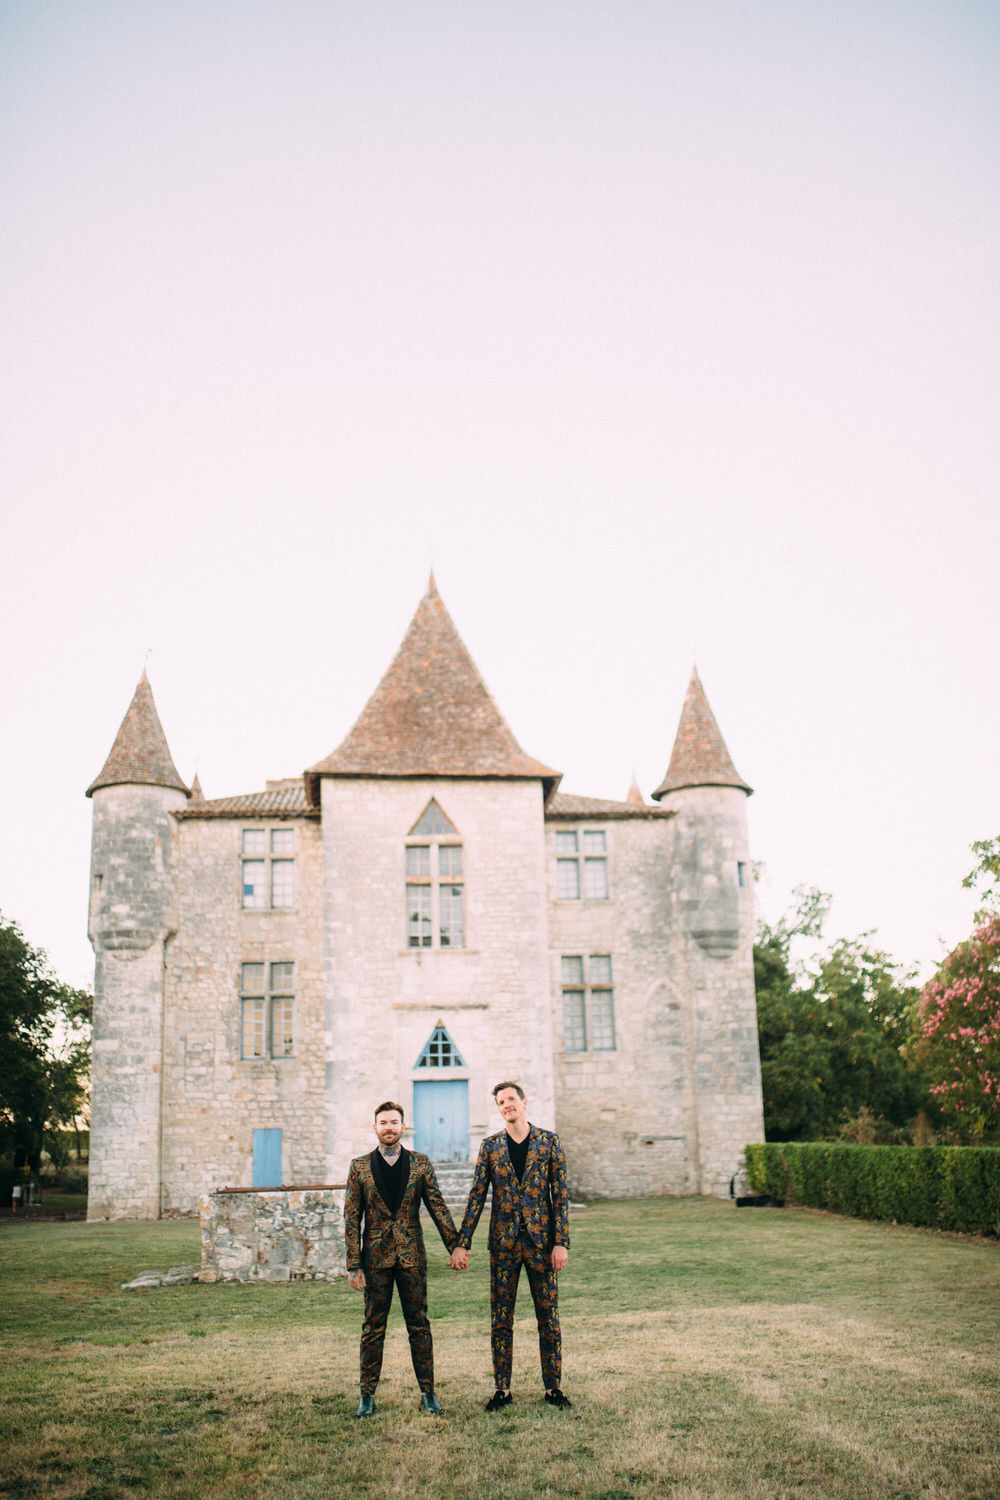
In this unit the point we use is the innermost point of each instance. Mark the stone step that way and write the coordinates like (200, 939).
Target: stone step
(455, 1180)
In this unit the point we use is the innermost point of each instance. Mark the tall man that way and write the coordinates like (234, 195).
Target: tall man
(529, 1226)
(385, 1190)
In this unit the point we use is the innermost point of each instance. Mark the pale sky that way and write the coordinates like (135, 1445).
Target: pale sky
(662, 331)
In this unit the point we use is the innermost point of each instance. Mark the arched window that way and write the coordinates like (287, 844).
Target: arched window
(435, 882)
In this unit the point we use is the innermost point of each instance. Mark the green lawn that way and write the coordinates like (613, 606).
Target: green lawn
(708, 1351)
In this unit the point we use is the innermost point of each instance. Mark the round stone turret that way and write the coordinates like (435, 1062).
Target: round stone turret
(131, 900)
(712, 905)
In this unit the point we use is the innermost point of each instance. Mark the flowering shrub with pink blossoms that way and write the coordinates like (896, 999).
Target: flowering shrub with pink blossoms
(957, 1037)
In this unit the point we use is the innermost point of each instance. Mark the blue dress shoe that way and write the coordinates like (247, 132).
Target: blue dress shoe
(366, 1406)
(430, 1403)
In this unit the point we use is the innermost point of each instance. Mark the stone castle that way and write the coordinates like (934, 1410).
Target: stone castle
(418, 915)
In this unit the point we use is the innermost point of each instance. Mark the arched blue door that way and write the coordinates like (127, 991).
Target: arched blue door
(441, 1118)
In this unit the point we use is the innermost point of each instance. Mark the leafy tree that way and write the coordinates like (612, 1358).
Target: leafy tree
(958, 1035)
(44, 1052)
(832, 1040)
(985, 877)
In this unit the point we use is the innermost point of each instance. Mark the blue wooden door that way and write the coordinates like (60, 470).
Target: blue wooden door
(267, 1158)
(441, 1119)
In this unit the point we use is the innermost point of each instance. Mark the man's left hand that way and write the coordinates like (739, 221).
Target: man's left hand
(560, 1257)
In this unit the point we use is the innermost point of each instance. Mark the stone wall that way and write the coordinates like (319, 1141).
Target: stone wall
(626, 1117)
(131, 922)
(281, 1234)
(384, 998)
(669, 1110)
(213, 1097)
(713, 915)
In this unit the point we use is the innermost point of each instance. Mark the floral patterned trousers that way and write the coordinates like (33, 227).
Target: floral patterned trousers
(505, 1270)
(412, 1286)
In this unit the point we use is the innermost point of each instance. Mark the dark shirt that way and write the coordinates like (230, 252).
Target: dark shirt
(391, 1179)
(518, 1152)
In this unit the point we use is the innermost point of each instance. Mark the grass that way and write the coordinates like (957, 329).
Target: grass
(709, 1352)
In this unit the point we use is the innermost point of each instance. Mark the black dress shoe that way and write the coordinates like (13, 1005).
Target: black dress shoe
(366, 1406)
(499, 1400)
(430, 1403)
(555, 1397)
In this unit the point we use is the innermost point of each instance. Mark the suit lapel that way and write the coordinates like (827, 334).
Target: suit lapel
(407, 1173)
(534, 1152)
(373, 1168)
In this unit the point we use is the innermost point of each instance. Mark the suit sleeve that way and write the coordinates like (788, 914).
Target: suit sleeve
(438, 1208)
(560, 1192)
(477, 1197)
(353, 1208)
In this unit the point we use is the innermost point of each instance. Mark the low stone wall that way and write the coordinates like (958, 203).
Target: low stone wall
(273, 1234)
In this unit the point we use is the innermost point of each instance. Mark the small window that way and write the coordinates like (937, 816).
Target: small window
(592, 880)
(268, 870)
(741, 873)
(451, 913)
(418, 916)
(440, 1051)
(254, 884)
(254, 1026)
(433, 822)
(435, 883)
(282, 884)
(588, 1003)
(267, 1010)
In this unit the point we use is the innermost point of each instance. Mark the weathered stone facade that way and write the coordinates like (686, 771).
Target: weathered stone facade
(401, 921)
(291, 1234)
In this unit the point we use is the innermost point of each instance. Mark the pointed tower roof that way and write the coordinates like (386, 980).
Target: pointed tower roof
(431, 715)
(635, 797)
(196, 794)
(700, 757)
(140, 755)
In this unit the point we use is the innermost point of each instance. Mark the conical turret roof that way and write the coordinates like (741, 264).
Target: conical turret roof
(699, 757)
(140, 755)
(431, 715)
(634, 796)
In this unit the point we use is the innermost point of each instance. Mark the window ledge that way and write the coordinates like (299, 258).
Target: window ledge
(444, 952)
(445, 1007)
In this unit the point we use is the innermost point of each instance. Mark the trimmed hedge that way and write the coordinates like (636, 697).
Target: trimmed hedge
(945, 1187)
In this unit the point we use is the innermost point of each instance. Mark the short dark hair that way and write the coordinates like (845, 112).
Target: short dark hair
(508, 1085)
(387, 1105)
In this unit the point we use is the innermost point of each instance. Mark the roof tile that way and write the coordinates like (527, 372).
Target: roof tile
(562, 806)
(140, 755)
(431, 715)
(282, 799)
(699, 757)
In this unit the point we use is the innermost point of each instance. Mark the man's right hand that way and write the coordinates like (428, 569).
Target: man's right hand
(459, 1259)
(358, 1281)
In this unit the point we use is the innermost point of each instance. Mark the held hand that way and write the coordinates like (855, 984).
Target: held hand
(560, 1257)
(459, 1259)
(358, 1281)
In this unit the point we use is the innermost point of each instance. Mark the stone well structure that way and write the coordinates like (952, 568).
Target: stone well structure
(273, 1234)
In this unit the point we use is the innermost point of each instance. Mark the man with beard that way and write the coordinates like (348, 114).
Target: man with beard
(385, 1189)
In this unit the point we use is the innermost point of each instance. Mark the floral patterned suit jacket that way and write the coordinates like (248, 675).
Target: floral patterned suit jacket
(540, 1202)
(393, 1240)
